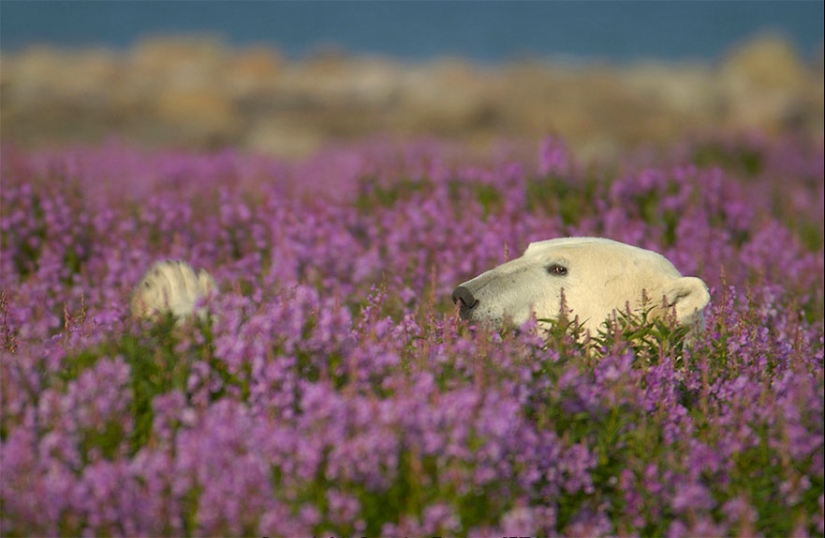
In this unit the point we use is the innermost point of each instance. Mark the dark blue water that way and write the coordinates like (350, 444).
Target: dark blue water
(483, 31)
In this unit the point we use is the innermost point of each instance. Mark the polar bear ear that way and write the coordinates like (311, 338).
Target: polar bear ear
(534, 246)
(688, 296)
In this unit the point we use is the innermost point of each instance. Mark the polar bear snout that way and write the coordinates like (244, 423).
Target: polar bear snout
(463, 295)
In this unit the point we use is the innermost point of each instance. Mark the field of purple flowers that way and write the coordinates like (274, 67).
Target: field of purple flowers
(335, 393)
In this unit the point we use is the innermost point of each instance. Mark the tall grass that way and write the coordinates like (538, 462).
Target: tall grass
(333, 391)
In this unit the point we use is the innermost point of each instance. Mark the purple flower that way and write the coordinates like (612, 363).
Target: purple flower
(692, 497)
(335, 391)
(553, 157)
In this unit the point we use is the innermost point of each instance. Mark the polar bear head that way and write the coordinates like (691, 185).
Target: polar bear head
(596, 276)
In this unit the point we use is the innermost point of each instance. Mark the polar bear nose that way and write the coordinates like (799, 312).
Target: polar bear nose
(466, 297)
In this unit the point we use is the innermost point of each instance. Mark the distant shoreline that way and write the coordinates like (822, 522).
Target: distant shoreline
(203, 94)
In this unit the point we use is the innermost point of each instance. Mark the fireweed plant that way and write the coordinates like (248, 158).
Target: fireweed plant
(334, 391)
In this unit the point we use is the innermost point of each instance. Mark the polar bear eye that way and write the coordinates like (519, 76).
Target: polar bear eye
(556, 269)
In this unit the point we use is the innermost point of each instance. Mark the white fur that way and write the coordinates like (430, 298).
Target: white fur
(601, 276)
(171, 286)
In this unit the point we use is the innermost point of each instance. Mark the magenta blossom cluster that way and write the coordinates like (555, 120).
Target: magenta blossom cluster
(334, 392)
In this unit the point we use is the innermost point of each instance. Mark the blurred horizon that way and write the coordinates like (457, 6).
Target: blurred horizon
(485, 32)
(286, 78)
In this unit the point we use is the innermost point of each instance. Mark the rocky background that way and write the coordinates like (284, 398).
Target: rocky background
(200, 93)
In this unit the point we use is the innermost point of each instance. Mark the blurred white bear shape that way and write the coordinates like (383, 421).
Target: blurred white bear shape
(171, 286)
